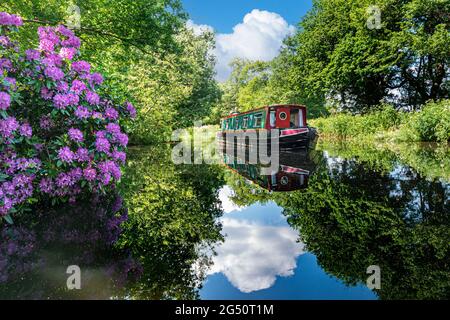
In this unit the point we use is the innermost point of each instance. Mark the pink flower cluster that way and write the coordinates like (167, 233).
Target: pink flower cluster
(69, 124)
(7, 19)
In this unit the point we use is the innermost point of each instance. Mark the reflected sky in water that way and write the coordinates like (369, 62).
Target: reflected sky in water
(262, 258)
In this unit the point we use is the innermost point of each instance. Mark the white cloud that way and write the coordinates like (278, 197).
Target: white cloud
(227, 204)
(198, 28)
(258, 37)
(253, 255)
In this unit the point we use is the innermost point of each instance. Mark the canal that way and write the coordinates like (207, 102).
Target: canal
(226, 232)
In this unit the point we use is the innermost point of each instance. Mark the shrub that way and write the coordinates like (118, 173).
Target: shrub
(59, 133)
(432, 123)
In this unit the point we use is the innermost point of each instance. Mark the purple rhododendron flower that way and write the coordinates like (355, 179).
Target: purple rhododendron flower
(66, 155)
(75, 135)
(4, 41)
(78, 86)
(54, 73)
(76, 174)
(32, 54)
(113, 128)
(48, 76)
(46, 94)
(131, 110)
(48, 39)
(7, 19)
(8, 126)
(102, 145)
(111, 113)
(5, 100)
(62, 86)
(5, 64)
(82, 112)
(89, 174)
(81, 67)
(110, 167)
(46, 185)
(82, 155)
(52, 60)
(96, 78)
(63, 100)
(64, 180)
(46, 123)
(122, 139)
(119, 156)
(72, 41)
(63, 30)
(68, 53)
(25, 130)
(92, 98)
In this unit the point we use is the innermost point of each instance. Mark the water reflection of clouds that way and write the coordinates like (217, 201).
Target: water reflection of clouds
(228, 205)
(253, 255)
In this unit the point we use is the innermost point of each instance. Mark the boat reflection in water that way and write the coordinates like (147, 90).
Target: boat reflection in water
(294, 169)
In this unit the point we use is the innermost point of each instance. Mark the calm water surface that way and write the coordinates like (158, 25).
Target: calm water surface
(227, 232)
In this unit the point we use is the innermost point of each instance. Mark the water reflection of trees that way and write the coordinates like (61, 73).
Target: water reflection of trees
(36, 251)
(354, 215)
(147, 251)
(173, 211)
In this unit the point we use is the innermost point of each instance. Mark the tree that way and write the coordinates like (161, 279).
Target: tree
(334, 53)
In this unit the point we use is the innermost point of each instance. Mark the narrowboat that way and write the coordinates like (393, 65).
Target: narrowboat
(289, 120)
(293, 172)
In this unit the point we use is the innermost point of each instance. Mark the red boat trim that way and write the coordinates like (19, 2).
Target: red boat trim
(289, 169)
(291, 132)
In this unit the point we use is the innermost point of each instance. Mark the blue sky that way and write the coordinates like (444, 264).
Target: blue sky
(247, 29)
(224, 15)
(262, 258)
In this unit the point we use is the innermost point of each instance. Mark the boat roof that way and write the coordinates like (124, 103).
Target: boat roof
(261, 108)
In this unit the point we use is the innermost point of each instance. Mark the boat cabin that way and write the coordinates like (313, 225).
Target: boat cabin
(269, 117)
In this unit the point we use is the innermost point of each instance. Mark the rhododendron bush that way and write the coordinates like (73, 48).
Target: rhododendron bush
(59, 135)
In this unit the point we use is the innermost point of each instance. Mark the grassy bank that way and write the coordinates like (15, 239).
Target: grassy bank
(431, 123)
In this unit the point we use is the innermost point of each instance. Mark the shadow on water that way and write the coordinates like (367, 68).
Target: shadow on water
(351, 206)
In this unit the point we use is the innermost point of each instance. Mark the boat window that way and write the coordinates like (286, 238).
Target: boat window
(245, 122)
(301, 122)
(273, 118)
(294, 118)
(257, 120)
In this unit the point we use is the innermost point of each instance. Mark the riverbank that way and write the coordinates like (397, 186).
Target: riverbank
(430, 124)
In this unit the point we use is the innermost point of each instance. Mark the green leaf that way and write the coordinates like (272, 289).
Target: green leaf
(8, 219)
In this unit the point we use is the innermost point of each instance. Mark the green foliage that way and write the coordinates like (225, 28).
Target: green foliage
(172, 91)
(147, 55)
(108, 25)
(335, 55)
(432, 123)
(254, 84)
